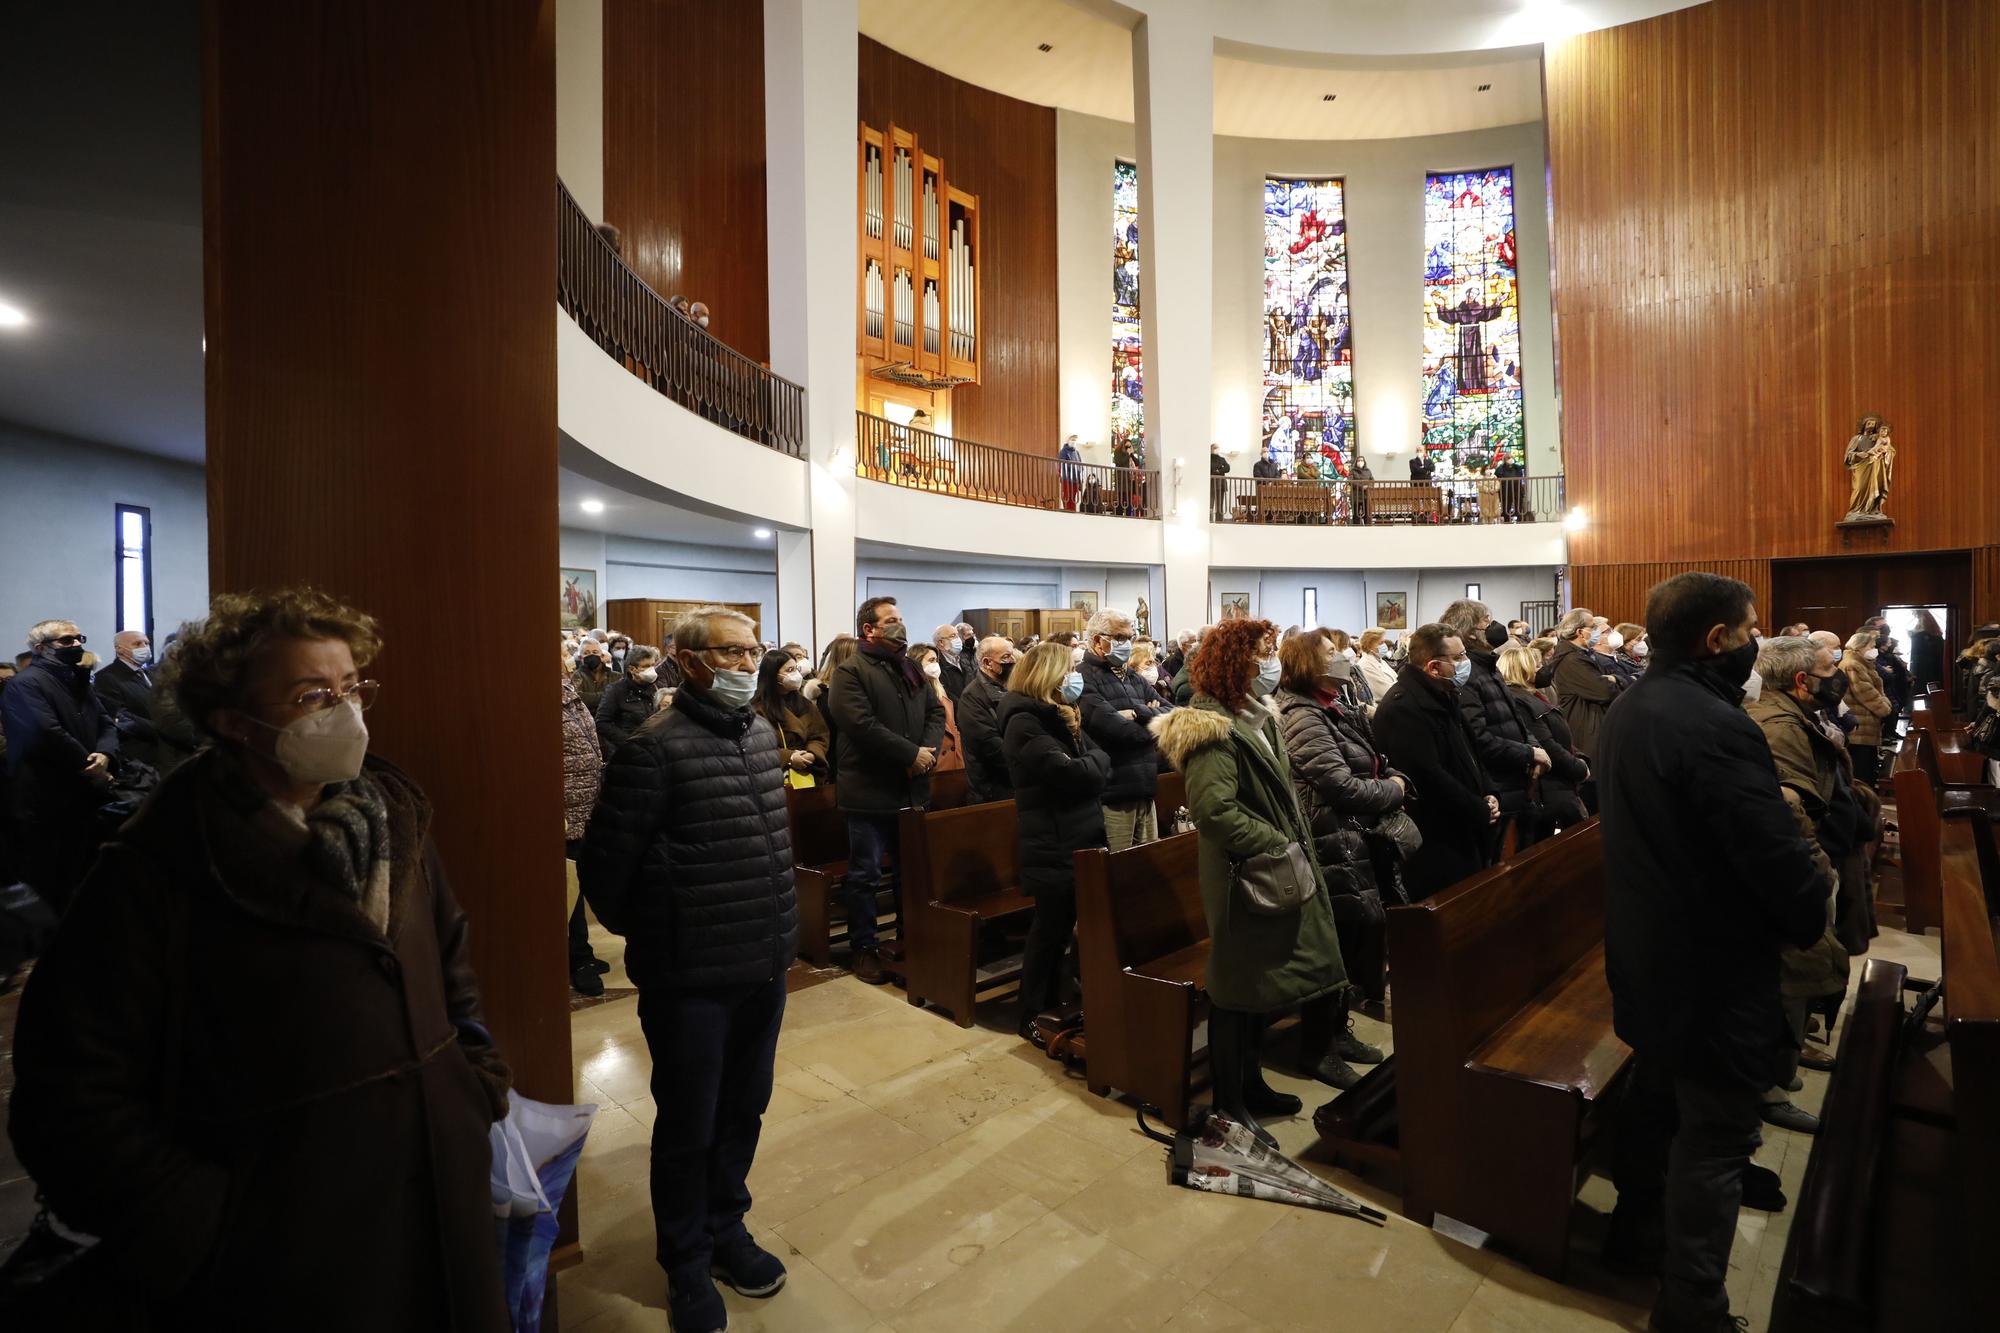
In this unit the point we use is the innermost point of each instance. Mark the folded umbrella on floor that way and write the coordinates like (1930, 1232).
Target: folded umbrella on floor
(1218, 1156)
(535, 1150)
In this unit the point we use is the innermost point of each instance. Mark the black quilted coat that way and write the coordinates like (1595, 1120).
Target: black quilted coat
(1135, 757)
(1058, 790)
(688, 855)
(1343, 788)
(1500, 735)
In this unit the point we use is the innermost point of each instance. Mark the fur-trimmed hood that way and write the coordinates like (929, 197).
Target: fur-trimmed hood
(1195, 726)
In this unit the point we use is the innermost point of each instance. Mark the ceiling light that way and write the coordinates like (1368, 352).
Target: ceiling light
(762, 534)
(12, 317)
(592, 506)
(1484, 88)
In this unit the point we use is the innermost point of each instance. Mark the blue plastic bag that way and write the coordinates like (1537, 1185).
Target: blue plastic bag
(535, 1150)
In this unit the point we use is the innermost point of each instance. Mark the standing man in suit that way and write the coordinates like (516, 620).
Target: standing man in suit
(124, 691)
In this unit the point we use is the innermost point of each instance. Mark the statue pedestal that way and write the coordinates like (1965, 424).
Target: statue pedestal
(1857, 524)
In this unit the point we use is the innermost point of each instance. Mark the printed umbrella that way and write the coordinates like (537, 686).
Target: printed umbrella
(1219, 1156)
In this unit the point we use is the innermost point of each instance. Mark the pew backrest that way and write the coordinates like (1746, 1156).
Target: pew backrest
(1147, 899)
(957, 855)
(950, 790)
(1971, 962)
(819, 830)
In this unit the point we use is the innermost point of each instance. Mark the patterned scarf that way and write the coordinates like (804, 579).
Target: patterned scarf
(347, 845)
(890, 652)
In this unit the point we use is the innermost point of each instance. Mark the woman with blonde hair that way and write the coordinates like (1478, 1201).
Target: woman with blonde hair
(1867, 703)
(1058, 774)
(1145, 664)
(1373, 660)
(1272, 940)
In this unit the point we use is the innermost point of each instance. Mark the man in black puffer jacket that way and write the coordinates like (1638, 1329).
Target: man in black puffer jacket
(1118, 707)
(1510, 754)
(689, 857)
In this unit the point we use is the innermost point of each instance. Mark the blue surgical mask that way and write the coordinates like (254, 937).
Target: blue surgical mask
(1121, 651)
(1595, 635)
(1267, 671)
(733, 689)
(1461, 671)
(1072, 687)
(142, 656)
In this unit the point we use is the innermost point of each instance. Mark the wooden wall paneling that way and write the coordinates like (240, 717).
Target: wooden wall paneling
(381, 410)
(684, 156)
(1003, 151)
(1986, 585)
(1619, 591)
(1837, 593)
(1769, 217)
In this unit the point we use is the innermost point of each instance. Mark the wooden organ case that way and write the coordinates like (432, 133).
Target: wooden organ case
(919, 267)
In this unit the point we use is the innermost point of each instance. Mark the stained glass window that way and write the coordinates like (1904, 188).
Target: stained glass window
(1128, 381)
(1308, 341)
(1472, 323)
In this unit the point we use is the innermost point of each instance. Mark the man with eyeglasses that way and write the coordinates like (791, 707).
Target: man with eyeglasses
(1422, 732)
(61, 754)
(689, 857)
(1118, 708)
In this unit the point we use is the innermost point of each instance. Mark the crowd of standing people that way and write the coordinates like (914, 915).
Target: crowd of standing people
(1327, 778)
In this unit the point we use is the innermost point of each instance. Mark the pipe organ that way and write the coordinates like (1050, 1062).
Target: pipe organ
(918, 267)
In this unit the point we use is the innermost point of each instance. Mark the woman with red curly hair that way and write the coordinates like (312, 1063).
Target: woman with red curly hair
(1264, 957)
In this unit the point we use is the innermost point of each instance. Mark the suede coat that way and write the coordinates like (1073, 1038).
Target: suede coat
(1240, 795)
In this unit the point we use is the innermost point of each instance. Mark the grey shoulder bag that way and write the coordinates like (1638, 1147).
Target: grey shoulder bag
(1276, 883)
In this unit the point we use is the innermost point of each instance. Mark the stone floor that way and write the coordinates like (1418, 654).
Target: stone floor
(917, 1176)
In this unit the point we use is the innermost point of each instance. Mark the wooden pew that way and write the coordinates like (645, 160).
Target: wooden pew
(1142, 944)
(1169, 795)
(959, 876)
(1923, 796)
(819, 859)
(1898, 1212)
(1504, 1049)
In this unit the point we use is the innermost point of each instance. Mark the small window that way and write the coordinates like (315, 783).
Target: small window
(135, 569)
(1472, 592)
(1311, 616)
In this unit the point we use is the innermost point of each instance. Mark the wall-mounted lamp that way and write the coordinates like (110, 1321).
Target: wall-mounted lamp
(1575, 520)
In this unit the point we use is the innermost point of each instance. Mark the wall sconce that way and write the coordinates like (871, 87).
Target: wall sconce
(1575, 521)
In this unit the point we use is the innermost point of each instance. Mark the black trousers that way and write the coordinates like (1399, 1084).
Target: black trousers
(1048, 937)
(712, 1052)
(1867, 762)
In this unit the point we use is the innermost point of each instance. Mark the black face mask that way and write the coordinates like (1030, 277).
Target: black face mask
(1006, 670)
(593, 664)
(70, 656)
(1830, 690)
(1734, 666)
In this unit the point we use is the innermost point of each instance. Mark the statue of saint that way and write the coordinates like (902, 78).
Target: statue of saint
(1871, 461)
(1144, 616)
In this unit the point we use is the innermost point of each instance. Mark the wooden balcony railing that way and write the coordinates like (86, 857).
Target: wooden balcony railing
(1458, 500)
(663, 347)
(921, 460)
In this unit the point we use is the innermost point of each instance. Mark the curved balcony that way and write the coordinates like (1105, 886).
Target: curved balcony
(678, 358)
(922, 460)
(1344, 502)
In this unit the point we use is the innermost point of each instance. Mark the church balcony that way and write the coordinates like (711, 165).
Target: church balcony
(918, 459)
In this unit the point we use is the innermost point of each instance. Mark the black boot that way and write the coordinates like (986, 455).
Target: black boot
(1259, 1097)
(1228, 1061)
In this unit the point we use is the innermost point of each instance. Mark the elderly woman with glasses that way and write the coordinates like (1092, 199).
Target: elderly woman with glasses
(252, 1062)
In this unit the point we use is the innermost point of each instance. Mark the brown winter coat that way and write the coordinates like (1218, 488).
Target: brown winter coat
(1582, 693)
(1808, 763)
(268, 1109)
(583, 761)
(1865, 700)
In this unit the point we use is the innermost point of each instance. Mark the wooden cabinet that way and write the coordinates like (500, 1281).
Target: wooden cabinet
(650, 620)
(1017, 624)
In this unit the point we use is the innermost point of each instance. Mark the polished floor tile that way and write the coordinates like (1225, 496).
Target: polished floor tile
(917, 1176)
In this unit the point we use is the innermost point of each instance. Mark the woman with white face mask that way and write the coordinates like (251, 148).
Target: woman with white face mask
(779, 700)
(1628, 648)
(951, 751)
(272, 934)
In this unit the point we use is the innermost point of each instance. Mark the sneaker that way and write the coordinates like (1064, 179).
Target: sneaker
(695, 1306)
(1761, 1189)
(867, 966)
(1787, 1116)
(585, 981)
(748, 1268)
(1336, 1072)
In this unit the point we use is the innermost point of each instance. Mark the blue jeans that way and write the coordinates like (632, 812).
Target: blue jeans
(869, 838)
(712, 1051)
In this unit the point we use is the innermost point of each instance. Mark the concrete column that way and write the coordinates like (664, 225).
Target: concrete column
(811, 118)
(794, 622)
(580, 102)
(1173, 95)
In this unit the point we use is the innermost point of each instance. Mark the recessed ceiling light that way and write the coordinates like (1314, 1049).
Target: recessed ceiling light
(1045, 48)
(1328, 97)
(1485, 87)
(592, 506)
(12, 317)
(761, 534)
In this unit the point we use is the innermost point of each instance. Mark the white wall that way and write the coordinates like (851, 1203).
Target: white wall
(57, 518)
(1385, 182)
(1347, 597)
(580, 102)
(932, 592)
